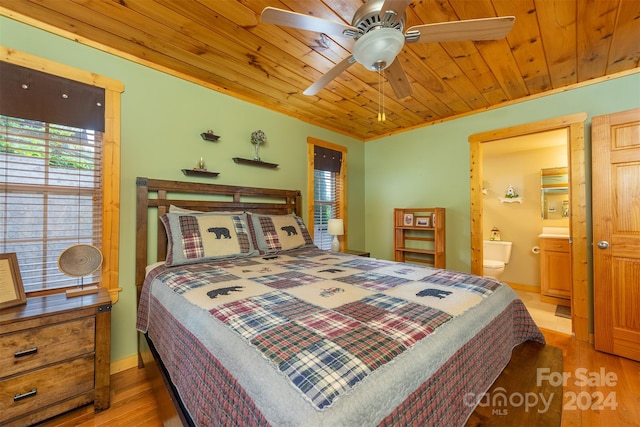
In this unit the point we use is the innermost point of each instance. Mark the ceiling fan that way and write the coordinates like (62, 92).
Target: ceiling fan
(377, 26)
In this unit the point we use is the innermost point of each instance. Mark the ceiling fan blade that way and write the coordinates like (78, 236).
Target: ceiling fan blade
(454, 31)
(397, 6)
(287, 18)
(398, 79)
(330, 75)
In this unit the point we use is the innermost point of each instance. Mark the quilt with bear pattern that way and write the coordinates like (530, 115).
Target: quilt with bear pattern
(324, 324)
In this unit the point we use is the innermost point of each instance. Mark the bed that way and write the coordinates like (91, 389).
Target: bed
(251, 324)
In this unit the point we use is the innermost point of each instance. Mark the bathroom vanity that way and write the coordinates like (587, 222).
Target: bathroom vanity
(555, 269)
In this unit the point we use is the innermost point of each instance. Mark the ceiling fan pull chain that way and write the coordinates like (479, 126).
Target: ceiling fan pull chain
(384, 118)
(381, 115)
(379, 98)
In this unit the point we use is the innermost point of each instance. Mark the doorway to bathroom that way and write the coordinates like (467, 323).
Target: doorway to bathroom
(517, 209)
(573, 126)
(512, 201)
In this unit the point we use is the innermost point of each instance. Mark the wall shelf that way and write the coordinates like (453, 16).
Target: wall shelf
(251, 162)
(196, 172)
(510, 199)
(209, 136)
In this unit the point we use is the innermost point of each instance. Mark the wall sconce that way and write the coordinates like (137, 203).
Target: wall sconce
(335, 229)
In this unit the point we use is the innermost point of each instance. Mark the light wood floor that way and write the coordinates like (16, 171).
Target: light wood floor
(132, 403)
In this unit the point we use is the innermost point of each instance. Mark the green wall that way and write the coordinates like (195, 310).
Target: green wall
(162, 118)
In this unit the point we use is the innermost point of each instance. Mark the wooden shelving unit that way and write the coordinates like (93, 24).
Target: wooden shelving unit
(422, 239)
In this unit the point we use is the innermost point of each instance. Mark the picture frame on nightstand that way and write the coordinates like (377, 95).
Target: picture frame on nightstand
(11, 288)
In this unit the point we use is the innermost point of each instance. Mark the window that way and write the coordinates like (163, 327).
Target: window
(59, 168)
(326, 186)
(327, 178)
(51, 198)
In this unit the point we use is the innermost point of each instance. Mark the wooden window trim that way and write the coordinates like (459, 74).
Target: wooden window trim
(311, 142)
(111, 152)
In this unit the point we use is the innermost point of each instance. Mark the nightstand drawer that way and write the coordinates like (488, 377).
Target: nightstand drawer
(37, 389)
(32, 348)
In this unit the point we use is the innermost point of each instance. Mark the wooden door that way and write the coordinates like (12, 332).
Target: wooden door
(616, 232)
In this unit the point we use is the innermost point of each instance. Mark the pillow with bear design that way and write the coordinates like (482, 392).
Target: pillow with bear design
(200, 237)
(275, 233)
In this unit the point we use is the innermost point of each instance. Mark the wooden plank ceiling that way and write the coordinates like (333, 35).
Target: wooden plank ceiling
(223, 45)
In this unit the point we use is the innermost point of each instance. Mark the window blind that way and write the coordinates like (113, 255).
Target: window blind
(50, 197)
(327, 187)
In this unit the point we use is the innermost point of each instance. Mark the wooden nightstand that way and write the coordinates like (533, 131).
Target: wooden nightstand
(54, 356)
(359, 253)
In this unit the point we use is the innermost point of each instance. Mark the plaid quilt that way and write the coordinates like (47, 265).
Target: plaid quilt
(323, 320)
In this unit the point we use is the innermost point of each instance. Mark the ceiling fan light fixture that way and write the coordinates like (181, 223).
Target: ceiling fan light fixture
(377, 49)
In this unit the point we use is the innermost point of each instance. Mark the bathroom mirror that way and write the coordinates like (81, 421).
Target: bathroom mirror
(554, 187)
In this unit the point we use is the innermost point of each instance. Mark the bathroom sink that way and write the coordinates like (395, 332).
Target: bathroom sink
(555, 232)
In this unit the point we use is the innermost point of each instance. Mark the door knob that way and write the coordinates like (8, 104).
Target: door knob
(603, 244)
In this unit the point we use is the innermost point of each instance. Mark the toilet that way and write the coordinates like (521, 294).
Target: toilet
(496, 255)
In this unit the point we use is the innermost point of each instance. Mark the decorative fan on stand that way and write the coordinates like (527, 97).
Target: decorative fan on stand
(79, 261)
(378, 27)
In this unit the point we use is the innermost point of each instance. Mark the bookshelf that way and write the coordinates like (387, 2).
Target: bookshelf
(419, 236)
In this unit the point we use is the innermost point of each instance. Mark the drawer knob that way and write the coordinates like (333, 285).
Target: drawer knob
(24, 353)
(603, 244)
(25, 395)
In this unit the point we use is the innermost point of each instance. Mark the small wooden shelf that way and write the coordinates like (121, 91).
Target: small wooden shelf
(196, 172)
(417, 251)
(251, 162)
(416, 243)
(208, 136)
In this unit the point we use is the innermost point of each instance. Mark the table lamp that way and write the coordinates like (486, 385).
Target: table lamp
(335, 229)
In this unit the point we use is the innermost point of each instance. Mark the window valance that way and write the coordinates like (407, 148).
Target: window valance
(30, 94)
(326, 159)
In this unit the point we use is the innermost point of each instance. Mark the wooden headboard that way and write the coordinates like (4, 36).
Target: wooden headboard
(154, 196)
